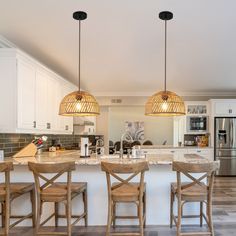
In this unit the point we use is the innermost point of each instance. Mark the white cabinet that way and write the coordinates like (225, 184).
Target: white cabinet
(65, 123)
(197, 108)
(204, 152)
(223, 107)
(26, 95)
(31, 96)
(85, 125)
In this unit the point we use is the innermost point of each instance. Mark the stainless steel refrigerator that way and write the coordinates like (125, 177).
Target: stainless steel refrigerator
(225, 145)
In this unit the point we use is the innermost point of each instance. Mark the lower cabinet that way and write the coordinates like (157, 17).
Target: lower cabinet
(204, 152)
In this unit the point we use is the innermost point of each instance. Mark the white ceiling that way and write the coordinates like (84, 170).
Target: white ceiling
(122, 47)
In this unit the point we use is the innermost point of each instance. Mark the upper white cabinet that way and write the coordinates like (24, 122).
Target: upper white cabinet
(223, 107)
(85, 125)
(197, 108)
(26, 94)
(32, 95)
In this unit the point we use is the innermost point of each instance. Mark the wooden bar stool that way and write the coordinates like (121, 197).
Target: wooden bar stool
(194, 191)
(9, 192)
(48, 190)
(125, 192)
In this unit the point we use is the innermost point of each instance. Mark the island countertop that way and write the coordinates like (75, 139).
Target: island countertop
(74, 155)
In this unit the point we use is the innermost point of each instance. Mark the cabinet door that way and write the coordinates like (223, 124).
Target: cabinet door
(41, 100)
(52, 103)
(207, 153)
(232, 108)
(66, 123)
(26, 95)
(222, 108)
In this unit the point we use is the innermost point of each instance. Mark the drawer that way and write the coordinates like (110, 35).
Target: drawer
(174, 151)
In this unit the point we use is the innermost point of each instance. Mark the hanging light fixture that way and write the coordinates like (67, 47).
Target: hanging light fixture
(79, 103)
(165, 103)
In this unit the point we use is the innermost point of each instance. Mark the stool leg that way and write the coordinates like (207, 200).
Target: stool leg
(140, 214)
(179, 217)
(33, 206)
(85, 200)
(144, 209)
(201, 211)
(56, 213)
(171, 208)
(109, 217)
(7, 217)
(114, 215)
(3, 214)
(209, 214)
(68, 214)
(38, 215)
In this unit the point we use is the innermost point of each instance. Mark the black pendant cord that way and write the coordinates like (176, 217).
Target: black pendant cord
(79, 48)
(165, 51)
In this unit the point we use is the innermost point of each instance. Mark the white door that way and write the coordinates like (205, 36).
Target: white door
(222, 108)
(26, 95)
(41, 100)
(52, 104)
(66, 123)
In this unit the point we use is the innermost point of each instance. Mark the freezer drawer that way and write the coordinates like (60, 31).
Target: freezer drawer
(226, 153)
(227, 166)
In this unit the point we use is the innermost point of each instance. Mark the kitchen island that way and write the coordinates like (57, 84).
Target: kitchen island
(158, 180)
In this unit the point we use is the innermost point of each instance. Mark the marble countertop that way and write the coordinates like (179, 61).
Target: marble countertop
(64, 156)
(171, 147)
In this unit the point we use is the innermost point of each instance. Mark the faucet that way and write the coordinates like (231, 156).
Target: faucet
(99, 143)
(124, 136)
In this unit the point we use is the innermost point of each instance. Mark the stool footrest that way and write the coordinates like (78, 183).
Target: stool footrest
(22, 218)
(126, 217)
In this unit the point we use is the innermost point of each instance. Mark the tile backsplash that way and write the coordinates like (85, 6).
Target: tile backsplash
(12, 143)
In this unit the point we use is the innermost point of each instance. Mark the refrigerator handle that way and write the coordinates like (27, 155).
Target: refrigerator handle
(231, 133)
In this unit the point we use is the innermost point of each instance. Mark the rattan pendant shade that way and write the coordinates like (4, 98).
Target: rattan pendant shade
(79, 103)
(165, 103)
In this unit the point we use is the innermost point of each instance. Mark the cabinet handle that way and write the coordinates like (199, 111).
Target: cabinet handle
(230, 111)
(34, 124)
(172, 151)
(48, 126)
(198, 150)
(66, 127)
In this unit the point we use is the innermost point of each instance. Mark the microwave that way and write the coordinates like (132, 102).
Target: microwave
(197, 124)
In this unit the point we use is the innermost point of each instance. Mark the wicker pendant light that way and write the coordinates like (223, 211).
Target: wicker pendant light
(165, 103)
(79, 103)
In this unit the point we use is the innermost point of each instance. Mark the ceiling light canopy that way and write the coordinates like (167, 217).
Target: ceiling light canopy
(165, 103)
(79, 103)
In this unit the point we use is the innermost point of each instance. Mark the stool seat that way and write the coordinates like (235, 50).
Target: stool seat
(199, 189)
(58, 191)
(8, 193)
(196, 192)
(51, 191)
(17, 189)
(126, 192)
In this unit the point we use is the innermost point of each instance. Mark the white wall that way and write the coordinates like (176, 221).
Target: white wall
(156, 129)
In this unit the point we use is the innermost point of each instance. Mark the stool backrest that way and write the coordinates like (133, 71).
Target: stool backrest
(116, 169)
(40, 169)
(5, 168)
(207, 170)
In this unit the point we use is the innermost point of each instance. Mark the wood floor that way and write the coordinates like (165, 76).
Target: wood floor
(224, 200)
(224, 215)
